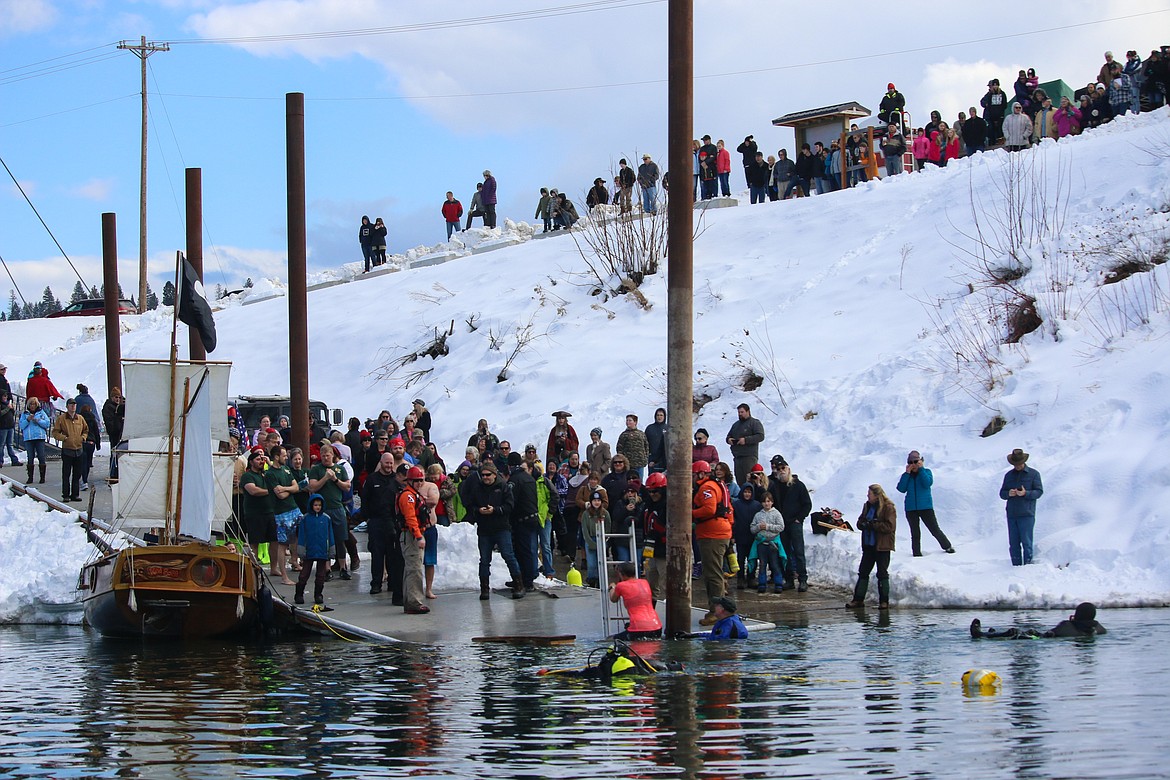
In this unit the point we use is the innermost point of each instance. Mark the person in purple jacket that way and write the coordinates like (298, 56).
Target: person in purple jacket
(487, 197)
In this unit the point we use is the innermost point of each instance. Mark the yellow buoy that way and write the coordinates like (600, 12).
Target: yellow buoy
(981, 681)
(573, 577)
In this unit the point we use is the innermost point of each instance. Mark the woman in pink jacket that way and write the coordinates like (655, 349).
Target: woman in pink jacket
(1068, 119)
(921, 149)
(723, 168)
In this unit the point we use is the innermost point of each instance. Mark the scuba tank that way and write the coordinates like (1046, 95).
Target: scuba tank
(573, 577)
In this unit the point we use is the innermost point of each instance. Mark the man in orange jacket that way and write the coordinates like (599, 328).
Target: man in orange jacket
(410, 508)
(713, 531)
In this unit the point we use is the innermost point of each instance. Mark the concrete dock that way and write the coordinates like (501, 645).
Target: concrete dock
(458, 616)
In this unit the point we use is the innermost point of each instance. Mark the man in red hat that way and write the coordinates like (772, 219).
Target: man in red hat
(892, 106)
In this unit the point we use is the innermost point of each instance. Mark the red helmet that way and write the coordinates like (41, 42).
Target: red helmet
(415, 473)
(700, 465)
(656, 481)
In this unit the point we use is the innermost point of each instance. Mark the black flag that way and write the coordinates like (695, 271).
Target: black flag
(193, 309)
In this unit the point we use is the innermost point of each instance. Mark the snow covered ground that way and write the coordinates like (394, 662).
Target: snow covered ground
(871, 317)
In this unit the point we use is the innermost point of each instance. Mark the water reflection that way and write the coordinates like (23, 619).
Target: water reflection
(874, 693)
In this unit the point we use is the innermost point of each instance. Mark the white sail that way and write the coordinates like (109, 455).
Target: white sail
(148, 386)
(198, 505)
(140, 492)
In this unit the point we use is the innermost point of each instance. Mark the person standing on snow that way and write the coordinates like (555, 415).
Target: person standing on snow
(892, 107)
(994, 107)
(1021, 488)
(476, 207)
(365, 238)
(915, 482)
(452, 213)
(488, 199)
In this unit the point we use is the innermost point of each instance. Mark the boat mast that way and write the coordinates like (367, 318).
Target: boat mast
(182, 458)
(170, 507)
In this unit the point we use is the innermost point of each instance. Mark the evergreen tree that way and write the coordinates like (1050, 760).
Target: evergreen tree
(220, 292)
(78, 293)
(13, 306)
(93, 293)
(168, 298)
(151, 298)
(27, 312)
(49, 303)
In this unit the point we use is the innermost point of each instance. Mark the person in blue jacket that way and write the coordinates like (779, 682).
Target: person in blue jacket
(1021, 488)
(915, 483)
(315, 543)
(728, 625)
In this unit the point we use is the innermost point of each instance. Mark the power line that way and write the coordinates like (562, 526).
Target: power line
(50, 232)
(70, 110)
(60, 57)
(57, 68)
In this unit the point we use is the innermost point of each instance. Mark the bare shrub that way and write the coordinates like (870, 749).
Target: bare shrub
(699, 401)
(399, 368)
(522, 337)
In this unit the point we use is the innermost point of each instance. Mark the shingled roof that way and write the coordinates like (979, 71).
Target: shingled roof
(851, 109)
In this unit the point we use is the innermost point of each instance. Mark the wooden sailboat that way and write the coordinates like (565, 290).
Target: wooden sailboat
(165, 576)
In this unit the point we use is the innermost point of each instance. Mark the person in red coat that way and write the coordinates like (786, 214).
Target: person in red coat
(39, 386)
(453, 213)
(562, 440)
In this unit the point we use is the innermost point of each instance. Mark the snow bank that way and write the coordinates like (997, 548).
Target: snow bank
(869, 318)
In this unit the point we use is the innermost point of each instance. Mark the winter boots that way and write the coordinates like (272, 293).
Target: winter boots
(883, 594)
(485, 592)
(30, 471)
(42, 468)
(517, 585)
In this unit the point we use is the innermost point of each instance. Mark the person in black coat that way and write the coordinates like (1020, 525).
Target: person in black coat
(489, 505)
(366, 239)
(598, 195)
(974, 132)
(525, 519)
(994, 105)
(893, 102)
(758, 175)
(791, 498)
(748, 149)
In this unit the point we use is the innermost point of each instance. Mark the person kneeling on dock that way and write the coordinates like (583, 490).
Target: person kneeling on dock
(315, 545)
(639, 601)
(1083, 622)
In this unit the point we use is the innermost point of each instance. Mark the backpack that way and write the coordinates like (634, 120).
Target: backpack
(723, 506)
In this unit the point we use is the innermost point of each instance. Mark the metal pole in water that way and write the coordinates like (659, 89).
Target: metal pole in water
(298, 296)
(679, 315)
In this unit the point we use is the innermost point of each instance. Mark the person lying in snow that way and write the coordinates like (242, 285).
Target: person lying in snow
(1083, 622)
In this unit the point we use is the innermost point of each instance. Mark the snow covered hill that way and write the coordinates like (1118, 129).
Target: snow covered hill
(874, 322)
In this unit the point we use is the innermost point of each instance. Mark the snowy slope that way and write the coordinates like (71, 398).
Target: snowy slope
(854, 307)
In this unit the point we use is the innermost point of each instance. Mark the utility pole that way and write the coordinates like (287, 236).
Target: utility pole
(679, 313)
(143, 50)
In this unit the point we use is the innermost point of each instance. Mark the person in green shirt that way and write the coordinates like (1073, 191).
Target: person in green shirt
(258, 508)
(328, 479)
(284, 488)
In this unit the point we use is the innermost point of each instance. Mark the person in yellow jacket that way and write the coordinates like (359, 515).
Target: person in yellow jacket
(70, 431)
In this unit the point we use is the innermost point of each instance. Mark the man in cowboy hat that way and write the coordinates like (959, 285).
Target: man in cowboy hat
(1021, 488)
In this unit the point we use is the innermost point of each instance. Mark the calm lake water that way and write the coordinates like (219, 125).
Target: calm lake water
(850, 697)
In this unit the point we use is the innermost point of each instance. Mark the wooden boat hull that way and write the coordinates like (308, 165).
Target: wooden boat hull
(189, 590)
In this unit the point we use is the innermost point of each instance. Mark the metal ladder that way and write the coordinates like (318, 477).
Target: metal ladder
(603, 564)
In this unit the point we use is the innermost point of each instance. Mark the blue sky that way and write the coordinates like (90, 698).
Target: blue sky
(395, 117)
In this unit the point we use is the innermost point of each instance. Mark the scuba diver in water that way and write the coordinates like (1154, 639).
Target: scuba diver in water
(619, 661)
(1083, 622)
(728, 625)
